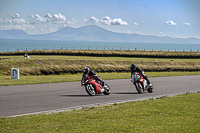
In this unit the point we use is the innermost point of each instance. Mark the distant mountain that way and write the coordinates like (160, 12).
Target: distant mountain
(93, 33)
(13, 34)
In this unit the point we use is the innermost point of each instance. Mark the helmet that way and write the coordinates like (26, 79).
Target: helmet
(133, 67)
(86, 70)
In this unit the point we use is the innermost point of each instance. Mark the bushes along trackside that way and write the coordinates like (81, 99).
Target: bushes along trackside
(110, 53)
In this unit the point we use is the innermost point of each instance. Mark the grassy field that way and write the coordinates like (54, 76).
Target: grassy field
(51, 64)
(6, 80)
(109, 53)
(175, 114)
(56, 68)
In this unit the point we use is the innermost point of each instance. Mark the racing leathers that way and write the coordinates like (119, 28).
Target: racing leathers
(96, 77)
(137, 69)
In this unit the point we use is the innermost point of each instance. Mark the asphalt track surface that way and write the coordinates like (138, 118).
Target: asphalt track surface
(56, 97)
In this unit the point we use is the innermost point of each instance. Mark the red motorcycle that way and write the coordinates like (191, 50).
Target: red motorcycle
(141, 84)
(93, 86)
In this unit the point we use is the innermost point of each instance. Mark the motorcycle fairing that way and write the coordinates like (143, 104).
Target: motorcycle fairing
(97, 86)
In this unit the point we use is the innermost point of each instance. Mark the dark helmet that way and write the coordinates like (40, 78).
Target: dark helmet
(133, 67)
(86, 70)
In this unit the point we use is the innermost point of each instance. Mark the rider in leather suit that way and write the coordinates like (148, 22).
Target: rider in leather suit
(89, 72)
(134, 69)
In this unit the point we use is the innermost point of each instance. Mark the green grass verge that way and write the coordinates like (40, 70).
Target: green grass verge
(175, 114)
(51, 64)
(6, 80)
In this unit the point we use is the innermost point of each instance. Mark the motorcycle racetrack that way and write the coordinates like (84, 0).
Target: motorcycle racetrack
(55, 97)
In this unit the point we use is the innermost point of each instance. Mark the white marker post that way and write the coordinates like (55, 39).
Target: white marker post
(14, 73)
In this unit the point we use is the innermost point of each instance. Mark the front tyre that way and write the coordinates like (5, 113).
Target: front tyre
(107, 90)
(139, 87)
(90, 89)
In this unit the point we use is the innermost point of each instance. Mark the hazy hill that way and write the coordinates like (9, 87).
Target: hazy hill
(93, 33)
(13, 34)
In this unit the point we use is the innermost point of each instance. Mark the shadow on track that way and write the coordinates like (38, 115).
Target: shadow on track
(125, 93)
(74, 95)
(81, 95)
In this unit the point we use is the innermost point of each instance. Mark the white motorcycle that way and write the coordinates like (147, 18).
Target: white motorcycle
(141, 84)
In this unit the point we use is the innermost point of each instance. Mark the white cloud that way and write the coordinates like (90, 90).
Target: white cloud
(186, 23)
(37, 19)
(13, 21)
(57, 18)
(18, 21)
(170, 22)
(48, 15)
(23, 27)
(16, 15)
(135, 23)
(108, 21)
(92, 20)
(118, 21)
(35, 24)
(71, 21)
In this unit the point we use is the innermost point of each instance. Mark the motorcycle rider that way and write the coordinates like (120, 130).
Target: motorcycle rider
(89, 72)
(134, 69)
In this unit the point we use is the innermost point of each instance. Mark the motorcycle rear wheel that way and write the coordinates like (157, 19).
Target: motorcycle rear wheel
(107, 90)
(139, 87)
(90, 89)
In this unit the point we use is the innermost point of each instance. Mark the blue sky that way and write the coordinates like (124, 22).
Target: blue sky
(174, 18)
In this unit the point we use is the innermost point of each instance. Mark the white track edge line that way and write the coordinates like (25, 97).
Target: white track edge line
(99, 104)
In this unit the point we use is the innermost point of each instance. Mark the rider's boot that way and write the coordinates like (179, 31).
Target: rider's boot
(150, 85)
(103, 89)
(102, 83)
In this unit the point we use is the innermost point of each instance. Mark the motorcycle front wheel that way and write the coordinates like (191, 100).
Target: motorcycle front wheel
(139, 87)
(107, 90)
(90, 89)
